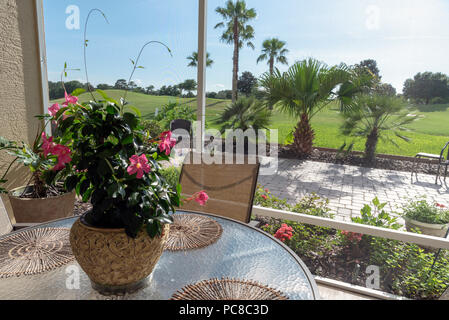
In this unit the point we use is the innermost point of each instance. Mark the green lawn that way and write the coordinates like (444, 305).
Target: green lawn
(429, 134)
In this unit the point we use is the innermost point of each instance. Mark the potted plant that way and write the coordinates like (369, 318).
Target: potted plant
(430, 219)
(120, 240)
(44, 197)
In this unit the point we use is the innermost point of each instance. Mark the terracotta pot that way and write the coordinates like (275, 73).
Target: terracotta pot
(27, 210)
(436, 230)
(114, 262)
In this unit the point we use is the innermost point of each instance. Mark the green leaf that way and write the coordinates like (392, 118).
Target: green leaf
(78, 91)
(152, 228)
(128, 140)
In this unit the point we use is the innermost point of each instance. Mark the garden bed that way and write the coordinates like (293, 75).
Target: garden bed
(387, 162)
(405, 269)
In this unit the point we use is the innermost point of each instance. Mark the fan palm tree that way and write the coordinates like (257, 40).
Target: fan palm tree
(237, 32)
(304, 90)
(244, 114)
(377, 117)
(273, 50)
(194, 60)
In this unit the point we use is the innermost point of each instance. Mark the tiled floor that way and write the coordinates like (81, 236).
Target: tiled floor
(349, 188)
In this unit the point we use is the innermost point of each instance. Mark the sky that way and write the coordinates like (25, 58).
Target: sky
(404, 37)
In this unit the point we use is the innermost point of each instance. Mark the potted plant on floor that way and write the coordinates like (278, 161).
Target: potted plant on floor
(430, 219)
(44, 197)
(120, 240)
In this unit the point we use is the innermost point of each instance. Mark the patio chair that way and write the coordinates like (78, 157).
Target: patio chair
(181, 124)
(230, 187)
(442, 162)
(5, 223)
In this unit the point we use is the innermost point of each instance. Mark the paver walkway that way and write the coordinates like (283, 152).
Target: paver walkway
(349, 188)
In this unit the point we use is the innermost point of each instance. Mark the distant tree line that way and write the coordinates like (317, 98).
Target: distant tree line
(427, 88)
(185, 89)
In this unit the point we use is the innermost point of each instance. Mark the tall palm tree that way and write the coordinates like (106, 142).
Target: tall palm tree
(377, 117)
(273, 50)
(304, 90)
(194, 60)
(237, 31)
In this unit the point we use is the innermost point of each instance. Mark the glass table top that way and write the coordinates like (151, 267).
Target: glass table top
(242, 253)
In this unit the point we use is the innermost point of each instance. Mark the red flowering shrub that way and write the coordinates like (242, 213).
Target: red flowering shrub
(284, 233)
(351, 236)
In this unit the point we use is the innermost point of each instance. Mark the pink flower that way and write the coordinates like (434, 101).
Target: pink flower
(64, 156)
(53, 110)
(47, 144)
(138, 165)
(264, 197)
(167, 142)
(69, 99)
(201, 197)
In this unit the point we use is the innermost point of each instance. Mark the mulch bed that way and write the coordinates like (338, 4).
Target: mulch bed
(405, 165)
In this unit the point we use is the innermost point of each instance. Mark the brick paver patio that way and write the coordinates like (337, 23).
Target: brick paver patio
(349, 188)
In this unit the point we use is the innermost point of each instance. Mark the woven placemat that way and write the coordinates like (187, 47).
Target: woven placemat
(192, 231)
(34, 251)
(228, 289)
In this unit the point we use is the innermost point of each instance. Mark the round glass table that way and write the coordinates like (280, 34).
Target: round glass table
(242, 252)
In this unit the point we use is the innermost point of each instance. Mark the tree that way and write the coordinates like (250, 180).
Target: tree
(305, 89)
(273, 50)
(368, 66)
(194, 60)
(150, 90)
(247, 82)
(427, 86)
(104, 86)
(245, 113)
(375, 117)
(188, 85)
(121, 84)
(385, 89)
(237, 32)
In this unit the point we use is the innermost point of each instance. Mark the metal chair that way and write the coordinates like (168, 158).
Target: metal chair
(186, 126)
(5, 224)
(441, 161)
(230, 187)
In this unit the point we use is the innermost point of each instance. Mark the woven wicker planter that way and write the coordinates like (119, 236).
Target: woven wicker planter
(114, 262)
(27, 210)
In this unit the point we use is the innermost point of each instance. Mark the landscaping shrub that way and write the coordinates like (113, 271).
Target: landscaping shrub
(171, 175)
(153, 128)
(406, 269)
(174, 111)
(422, 211)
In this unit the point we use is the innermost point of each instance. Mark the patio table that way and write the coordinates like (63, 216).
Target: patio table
(242, 252)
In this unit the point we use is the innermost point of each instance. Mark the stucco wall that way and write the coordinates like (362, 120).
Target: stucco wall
(20, 79)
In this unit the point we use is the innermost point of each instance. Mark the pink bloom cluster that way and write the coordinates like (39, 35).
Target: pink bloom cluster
(284, 233)
(439, 205)
(62, 152)
(54, 109)
(200, 197)
(351, 236)
(139, 166)
(167, 142)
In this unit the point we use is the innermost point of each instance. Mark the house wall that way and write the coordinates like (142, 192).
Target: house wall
(20, 80)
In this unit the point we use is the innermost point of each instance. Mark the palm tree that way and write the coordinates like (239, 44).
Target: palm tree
(304, 90)
(274, 51)
(245, 113)
(377, 117)
(237, 31)
(194, 60)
